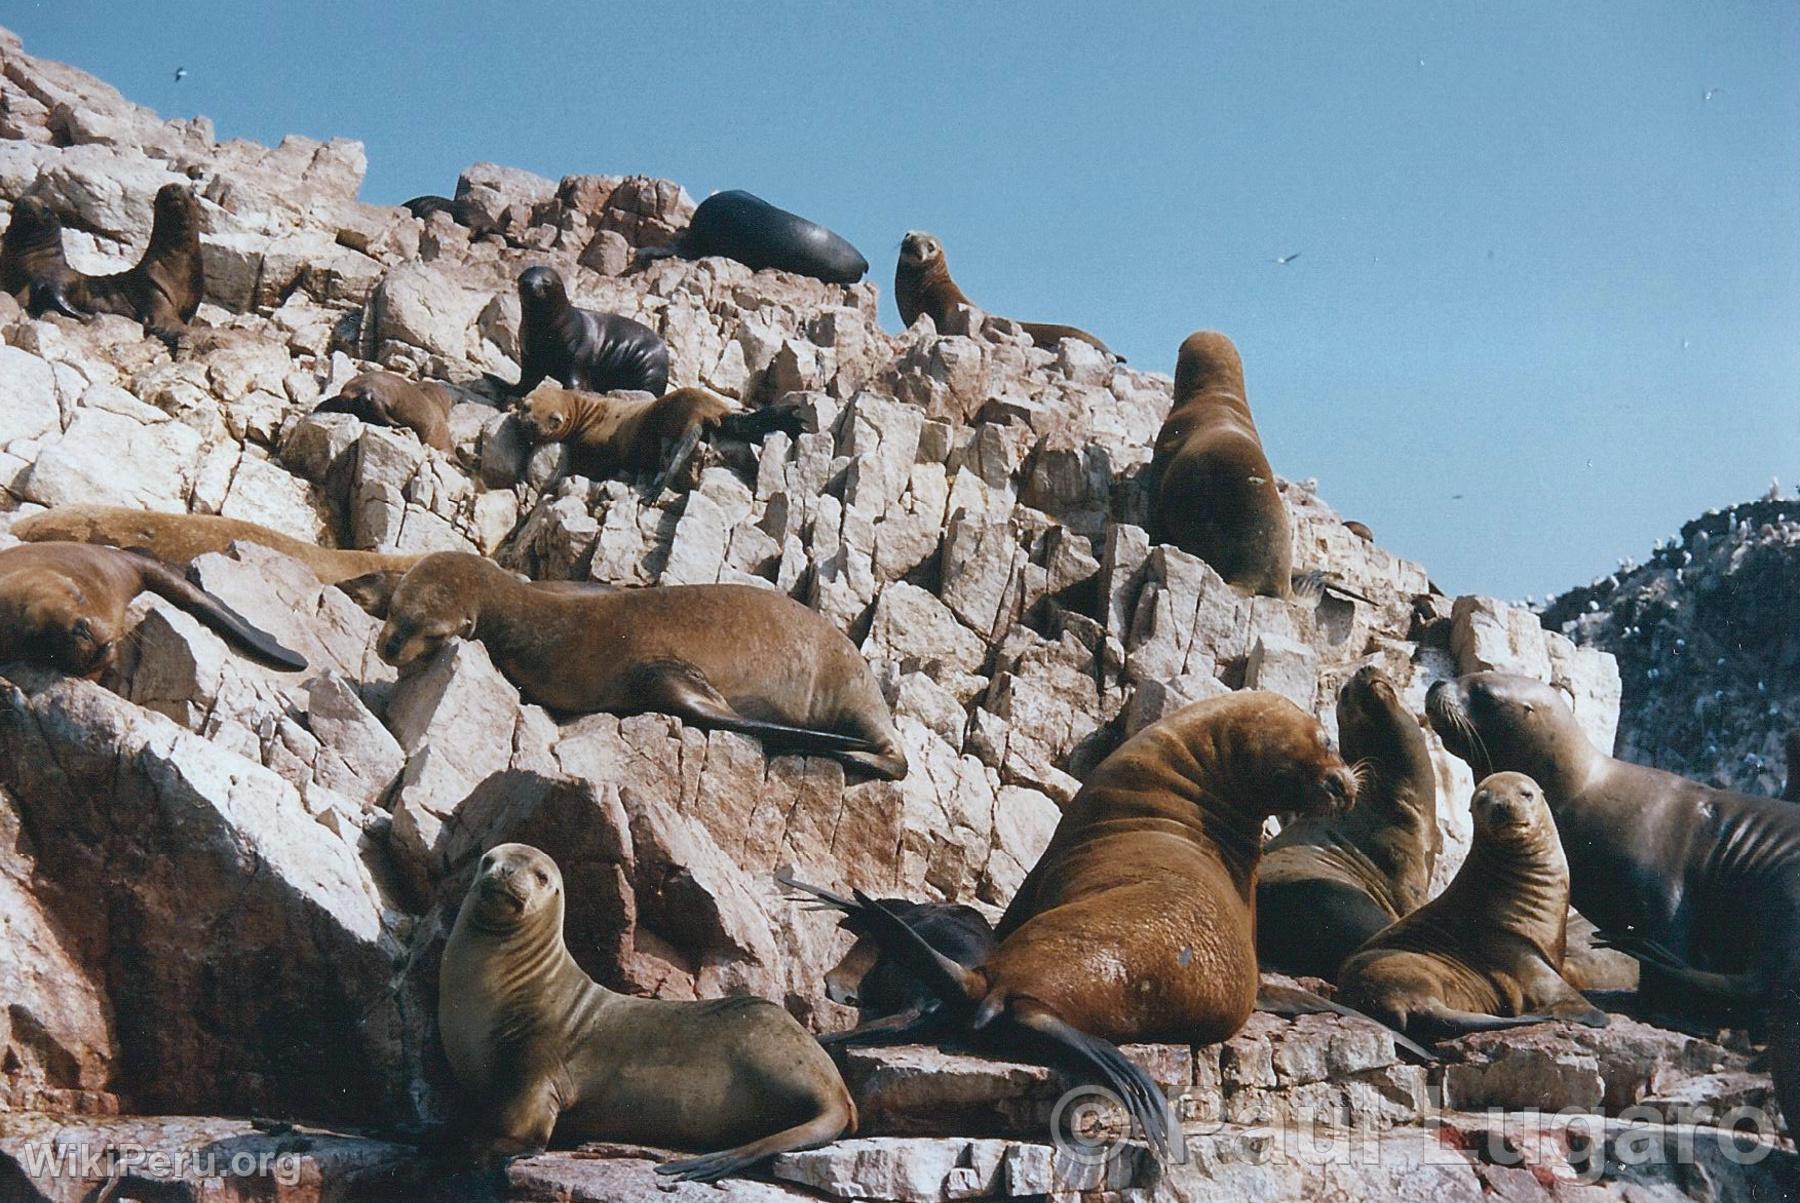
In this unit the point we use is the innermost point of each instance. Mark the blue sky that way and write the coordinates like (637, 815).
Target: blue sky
(1547, 300)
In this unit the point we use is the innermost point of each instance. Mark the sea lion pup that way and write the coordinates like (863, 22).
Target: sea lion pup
(545, 1050)
(1212, 492)
(897, 1007)
(736, 657)
(33, 267)
(63, 605)
(593, 352)
(745, 227)
(179, 539)
(389, 400)
(1138, 922)
(1487, 953)
(922, 284)
(611, 434)
(165, 288)
(422, 207)
(1329, 884)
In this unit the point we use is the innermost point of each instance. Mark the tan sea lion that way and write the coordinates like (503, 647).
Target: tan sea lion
(33, 267)
(736, 657)
(1212, 492)
(389, 400)
(164, 289)
(179, 539)
(1138, 923)
(612, 434)
(546, 1052)
(922, 284)
(63, 605)
(1487, 953)
(1328, 884)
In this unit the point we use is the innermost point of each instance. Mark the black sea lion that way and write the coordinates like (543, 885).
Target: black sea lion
(63, 605)
(545, 1051)
(389, 400)
(610, 434)
(1665, 867)
(737, 657)
(1212, 492)
(1328, 884)
(422, 207)
(745, 227)
(593, 352)
(1487, 953)
(33, 267)
(922, 284)
(179, 539)
(1138, 923)
(164, 289)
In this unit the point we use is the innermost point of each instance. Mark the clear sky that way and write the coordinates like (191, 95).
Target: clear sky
(1546, 304)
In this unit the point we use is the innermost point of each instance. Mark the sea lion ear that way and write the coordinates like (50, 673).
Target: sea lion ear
(468, 628)
(372, 591)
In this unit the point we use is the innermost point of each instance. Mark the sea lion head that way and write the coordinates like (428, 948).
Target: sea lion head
(919, 249)
(177, 213)
(546, 414)
(541, 288)
(1499, 721)
(32, 220)
(515, 886)
(1277, 753)
(1370, 715)
(53, 623)
(437, 600)
(1208, 360)
(1508, 807)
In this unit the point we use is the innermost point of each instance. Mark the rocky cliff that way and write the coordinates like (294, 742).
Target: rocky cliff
(225, 888)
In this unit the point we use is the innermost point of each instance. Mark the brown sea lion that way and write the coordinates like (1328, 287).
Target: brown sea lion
(745, 227)
(389, 400)
(1212, 492)
(33, 267)
(546, 1052)
(586, 350)
(922, 284)
(179, 539)
(1487, 953)
(736, 657)
(611, 434)
(164, 289)
(63, 605)
(1360, 530)
(1700, 883)
(1329, 884)
(1138, 923)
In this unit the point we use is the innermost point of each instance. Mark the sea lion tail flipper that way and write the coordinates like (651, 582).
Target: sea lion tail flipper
(1297, 1000)
(677, 687)
(1143, 1099)
(646, 255)
(755, 425)
(833, 901)
(834, 1119)
(1439, 1022)
(902, 1027)
(678, 458)
(50, 296)
(236, 629)
(1738, 987)
(949, 980)
(340, 404)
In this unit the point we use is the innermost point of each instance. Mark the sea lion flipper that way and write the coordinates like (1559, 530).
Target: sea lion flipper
(1297, 1000)
(678, 688)
(1737, 987)
(51, 296)
(646, 255)
(678, 458)
(753, 426)
(1142, 1097)
(1439, 1022)
(238, 630)
(953, 982)
(902, 1027)
(827, 1126)
(831, 899)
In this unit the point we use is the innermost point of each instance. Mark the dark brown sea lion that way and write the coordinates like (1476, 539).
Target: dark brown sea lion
(1487, 953)
(422, 207)
(1212, 492)
(1671, 870)
(1360, 530)
(611, 434)
(164, 289)
(389, 400)
(1138, 923)
(63, 605)
(33, 267)
(1328, 884)
(547, 1053)
(179, 539)
(736, 657)
(745, 227)
(922, 284)
(593, 352)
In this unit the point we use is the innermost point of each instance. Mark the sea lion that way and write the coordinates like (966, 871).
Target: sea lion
(1328, 884)
(1212, 492)
(33, 267)
(545, 1051)
(593, 352)
(1487, 953)
(164, 289)
(922, 284)
(736, 657)
(1138, 922)
(610, 434)
(1791, 791)
(422, 207)
(745, 227)
(389, 400)
(179, 539)
(1673, 871)
(1360, 530)
(63, 605)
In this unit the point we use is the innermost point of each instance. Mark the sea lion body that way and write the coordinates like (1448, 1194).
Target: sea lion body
(164, 289)
(547, 1053)
(33, 267)
(422, 207)
(611, 434)
(1212, 492)
(179, 539)
(742, 226)
(1487, 952)
(390, 400)
(922, 284)
(733, 656)
(63, 605)
(585, 350)
(1327, 885)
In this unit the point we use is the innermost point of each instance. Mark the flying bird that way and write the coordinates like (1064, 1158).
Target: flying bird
(1284, 260)
(1710, 93)
(180, 74)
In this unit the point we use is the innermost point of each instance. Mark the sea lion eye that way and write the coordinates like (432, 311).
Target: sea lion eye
(543, 878)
